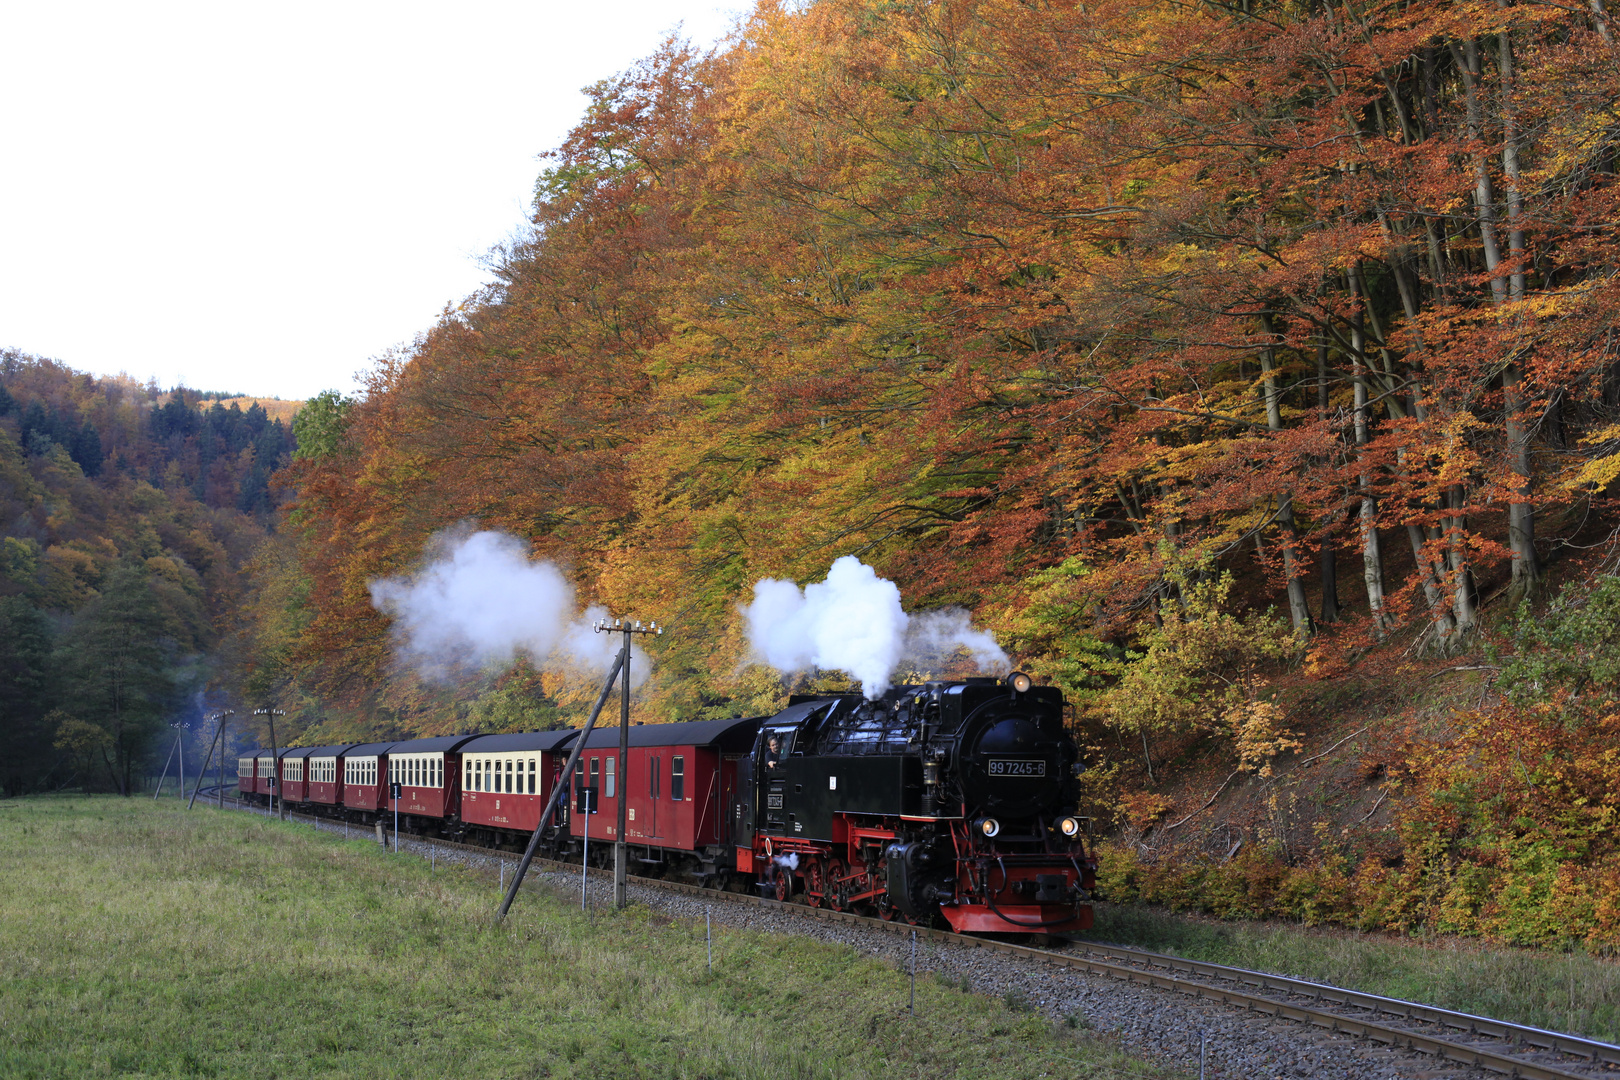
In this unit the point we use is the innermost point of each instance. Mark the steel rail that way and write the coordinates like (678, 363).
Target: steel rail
(1500, 1061)
(1557, 1041)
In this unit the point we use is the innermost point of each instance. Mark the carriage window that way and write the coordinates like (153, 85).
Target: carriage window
(531, 777)
(677, 778)
(607, 790)
(438, 772)
(596, 773)
(655, 766)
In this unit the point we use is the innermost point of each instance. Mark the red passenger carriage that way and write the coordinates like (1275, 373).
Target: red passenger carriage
(680, 781)
(295, 773)
(365, 778)
(264, 770)
(247, 780)
(506, 779)
(428, 774)
(324, 774)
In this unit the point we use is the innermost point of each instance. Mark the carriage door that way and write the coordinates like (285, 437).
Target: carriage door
(655, 788)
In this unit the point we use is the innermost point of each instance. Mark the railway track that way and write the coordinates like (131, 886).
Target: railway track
(1512, 1050)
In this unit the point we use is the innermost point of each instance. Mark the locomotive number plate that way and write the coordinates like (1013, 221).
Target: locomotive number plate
(773, 802)
(1016, 767)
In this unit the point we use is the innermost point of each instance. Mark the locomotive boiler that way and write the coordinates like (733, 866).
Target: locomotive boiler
(951, 800)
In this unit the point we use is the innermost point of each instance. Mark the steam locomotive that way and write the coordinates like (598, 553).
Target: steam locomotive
(945, 799)
(943, 802)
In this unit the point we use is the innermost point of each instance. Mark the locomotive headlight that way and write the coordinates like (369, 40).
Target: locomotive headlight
(988, 826)
(1070, 827)
(1020, 682)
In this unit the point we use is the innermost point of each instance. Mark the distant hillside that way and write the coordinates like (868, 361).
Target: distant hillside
(127, 515)
(275, 408)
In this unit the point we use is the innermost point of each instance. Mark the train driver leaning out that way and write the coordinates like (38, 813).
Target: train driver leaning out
(773, 755)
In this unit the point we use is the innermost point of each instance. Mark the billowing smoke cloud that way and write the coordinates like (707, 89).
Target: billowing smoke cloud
(853, 622)
(479, 602)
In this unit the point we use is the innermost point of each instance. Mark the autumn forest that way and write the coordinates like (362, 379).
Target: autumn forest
(1250, 369)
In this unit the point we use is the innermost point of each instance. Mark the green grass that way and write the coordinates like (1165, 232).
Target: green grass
(1571, 992)
(137, 940)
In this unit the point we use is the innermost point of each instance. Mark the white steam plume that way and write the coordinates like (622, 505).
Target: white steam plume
(479, 602)
(853, 622)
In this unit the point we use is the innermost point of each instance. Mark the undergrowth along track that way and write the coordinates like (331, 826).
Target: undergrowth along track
(1512, 1050)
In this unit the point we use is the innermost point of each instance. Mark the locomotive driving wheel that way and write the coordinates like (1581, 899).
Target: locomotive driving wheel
(784, 883)
(815, 883)
(837, 889)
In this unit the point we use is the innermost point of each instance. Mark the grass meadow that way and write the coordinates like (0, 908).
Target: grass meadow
(1573, 992)
(139, 940)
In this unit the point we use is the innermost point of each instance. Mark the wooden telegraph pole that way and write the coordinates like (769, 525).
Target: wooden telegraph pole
(560, 794)
(276, 796)
(219, 740)
(621, 852)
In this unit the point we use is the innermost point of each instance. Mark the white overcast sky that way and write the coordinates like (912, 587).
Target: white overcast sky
(263, 197)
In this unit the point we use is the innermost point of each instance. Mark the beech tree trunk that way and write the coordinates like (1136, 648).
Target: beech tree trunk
(1521, 513)
(1299, 611)
(1372, 557)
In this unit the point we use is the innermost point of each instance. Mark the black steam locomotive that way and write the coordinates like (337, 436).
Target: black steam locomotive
(949, 799)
